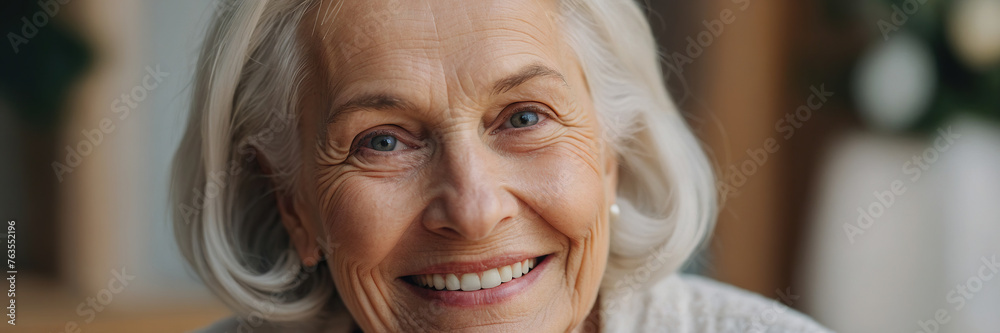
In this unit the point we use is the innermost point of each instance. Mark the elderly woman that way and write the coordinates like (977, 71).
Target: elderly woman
(410, 166)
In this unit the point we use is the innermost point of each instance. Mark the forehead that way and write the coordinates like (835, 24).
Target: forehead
(469, 41)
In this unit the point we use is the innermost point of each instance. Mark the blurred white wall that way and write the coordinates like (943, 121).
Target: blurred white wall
(174, 30)
(928, 245)
(117, 212)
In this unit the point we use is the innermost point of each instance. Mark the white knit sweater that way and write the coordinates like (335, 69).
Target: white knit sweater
(686, 303)
(679, 303)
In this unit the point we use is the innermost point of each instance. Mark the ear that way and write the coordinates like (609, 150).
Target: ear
(611, 173)
(294, 213)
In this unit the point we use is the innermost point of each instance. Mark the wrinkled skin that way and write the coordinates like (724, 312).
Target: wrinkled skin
(461, 183)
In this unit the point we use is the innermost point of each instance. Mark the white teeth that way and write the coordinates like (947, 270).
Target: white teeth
(490, 278)
(438, 281)
(451, 281)
(471, 282)
(505, 274)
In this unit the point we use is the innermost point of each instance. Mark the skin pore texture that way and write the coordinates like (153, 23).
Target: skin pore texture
(450, 137)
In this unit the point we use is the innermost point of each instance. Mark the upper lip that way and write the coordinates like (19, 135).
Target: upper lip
(462, 267)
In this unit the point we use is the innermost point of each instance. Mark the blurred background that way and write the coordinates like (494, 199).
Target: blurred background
(857, 145)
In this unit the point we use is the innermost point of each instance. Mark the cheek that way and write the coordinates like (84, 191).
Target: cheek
(364, 219)
(565, 185)
(567, 188)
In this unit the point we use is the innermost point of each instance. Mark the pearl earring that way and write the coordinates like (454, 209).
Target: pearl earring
(615, 212)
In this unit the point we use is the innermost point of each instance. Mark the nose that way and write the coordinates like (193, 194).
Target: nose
(470, 198)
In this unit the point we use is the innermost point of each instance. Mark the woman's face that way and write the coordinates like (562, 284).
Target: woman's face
(458, 145)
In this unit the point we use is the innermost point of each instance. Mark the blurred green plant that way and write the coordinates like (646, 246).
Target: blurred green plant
(960, 87)
(40, 62)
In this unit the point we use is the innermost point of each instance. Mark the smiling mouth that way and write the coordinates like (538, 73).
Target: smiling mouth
(490, 278)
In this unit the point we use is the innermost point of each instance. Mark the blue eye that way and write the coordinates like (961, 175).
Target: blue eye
(523, 119)
(383, 143)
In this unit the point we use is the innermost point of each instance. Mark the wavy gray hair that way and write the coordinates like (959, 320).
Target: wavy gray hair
(226, 219)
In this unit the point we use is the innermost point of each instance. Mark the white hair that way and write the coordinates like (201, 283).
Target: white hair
(226, 219)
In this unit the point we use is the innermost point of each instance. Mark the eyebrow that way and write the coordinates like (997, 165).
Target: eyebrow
(385, 101)
(378, 101)
(524, 75)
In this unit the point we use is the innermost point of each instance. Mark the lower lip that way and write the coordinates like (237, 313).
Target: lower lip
(503, 292)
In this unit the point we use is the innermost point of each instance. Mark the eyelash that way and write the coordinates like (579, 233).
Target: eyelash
(543, 115)
(363, 140)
